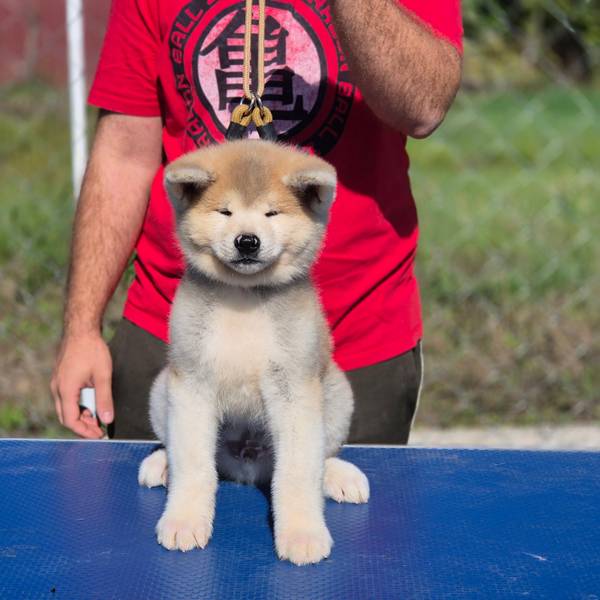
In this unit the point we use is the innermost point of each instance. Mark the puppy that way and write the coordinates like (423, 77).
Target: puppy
(251, 391)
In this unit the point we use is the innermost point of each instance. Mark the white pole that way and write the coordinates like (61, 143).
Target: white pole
(77, 91)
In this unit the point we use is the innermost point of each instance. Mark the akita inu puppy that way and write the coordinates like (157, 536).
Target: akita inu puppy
(251, 391)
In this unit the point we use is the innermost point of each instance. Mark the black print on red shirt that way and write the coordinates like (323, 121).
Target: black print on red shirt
(279, 78)
(307, 83)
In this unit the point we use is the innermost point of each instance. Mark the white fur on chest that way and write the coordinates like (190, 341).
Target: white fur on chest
(239, 344)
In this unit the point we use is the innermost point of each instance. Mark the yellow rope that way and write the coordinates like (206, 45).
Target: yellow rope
(247, 48)
(260, 87)
(262, 116)
(242, 114)
(261, 48)
(251, 107)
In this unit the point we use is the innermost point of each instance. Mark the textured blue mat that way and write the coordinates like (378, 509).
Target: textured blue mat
(440, 524)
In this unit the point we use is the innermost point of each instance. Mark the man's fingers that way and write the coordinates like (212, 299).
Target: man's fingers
(72, 417)
(89, 420)
(56, 398)
(58, 409)
(104, 402)
(87, 417)
(90, 432)
(85, 430)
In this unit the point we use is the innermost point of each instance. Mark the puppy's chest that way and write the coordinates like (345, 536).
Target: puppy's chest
(240, 342)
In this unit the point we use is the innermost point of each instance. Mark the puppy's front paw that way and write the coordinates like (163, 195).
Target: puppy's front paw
(303, 546)
(344, 482)
(183, 533)
(153, 470)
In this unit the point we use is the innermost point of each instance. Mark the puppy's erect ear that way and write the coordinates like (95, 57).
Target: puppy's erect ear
(315, 188)
(185, 184)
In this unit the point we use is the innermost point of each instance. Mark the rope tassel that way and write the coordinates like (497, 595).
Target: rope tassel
(240, 119)
(252, 109)
(263, 120)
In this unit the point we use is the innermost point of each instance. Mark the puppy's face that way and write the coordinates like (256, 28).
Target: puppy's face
(251, 212)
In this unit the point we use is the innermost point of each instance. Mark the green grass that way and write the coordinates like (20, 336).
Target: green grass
(34, 232)
(508, 192)
(514, 178)
(37, 211)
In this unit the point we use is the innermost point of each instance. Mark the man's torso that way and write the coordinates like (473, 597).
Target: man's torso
(192, 53)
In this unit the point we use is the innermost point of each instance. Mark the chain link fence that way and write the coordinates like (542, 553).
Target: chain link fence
(508, 192)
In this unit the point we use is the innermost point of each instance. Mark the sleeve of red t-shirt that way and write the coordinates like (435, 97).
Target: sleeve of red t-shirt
(127, 74)
(443, 17)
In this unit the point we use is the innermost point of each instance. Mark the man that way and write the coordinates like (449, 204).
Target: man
(348, 78)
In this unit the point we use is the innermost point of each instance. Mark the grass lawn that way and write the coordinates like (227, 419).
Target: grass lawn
(508, 192)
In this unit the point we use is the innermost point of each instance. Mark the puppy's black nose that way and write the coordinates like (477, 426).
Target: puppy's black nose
(247, 243)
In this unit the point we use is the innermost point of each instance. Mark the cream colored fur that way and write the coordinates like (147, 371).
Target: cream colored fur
(250, 352)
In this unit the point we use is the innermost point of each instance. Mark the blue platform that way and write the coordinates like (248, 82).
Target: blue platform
(440, 524)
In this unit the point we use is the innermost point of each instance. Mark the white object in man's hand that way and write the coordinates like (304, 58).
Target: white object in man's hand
(87, 399)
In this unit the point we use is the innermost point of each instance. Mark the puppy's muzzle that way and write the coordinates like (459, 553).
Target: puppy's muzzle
(247, 244)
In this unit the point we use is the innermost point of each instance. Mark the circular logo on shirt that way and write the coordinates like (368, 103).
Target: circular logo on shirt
(307, 84)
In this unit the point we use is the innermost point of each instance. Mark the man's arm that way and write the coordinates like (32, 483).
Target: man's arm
(125, 156)
(407, 75)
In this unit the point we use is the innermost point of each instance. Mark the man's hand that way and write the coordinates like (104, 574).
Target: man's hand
(124, 160)
(83, 361)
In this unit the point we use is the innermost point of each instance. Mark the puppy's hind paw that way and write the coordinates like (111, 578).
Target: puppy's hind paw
(304, 546)
(153, 470)
(344, 482)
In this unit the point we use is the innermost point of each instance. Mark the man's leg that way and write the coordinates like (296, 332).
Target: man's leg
(385, 399)
(138, 357)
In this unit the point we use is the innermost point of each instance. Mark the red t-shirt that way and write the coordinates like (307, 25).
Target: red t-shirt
(182, 60)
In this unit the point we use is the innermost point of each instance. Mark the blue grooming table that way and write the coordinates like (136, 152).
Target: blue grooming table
(440, 524)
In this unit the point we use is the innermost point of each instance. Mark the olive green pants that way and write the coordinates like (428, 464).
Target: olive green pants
(385, 394)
